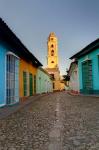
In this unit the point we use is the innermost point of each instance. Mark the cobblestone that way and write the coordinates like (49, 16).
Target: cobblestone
(28, 128)
(81, 123)
(56, 121)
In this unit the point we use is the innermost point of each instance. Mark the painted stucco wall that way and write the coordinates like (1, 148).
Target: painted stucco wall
(29, 68)
(3, 51)
(74, 82)
(94, 56)
(44, 83)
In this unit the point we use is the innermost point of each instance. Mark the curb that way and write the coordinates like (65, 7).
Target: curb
(9, 110)
(72, 94)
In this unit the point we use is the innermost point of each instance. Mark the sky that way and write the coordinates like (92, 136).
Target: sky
(75, 23)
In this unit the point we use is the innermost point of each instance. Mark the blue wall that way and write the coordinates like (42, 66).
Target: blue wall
(94, 56)
(2, 74)
(4, 48)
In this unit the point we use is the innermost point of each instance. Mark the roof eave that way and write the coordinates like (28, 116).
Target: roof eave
(87, 49)
(9, 36)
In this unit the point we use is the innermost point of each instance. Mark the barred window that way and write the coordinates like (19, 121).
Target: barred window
(12, 79)
(52, 52)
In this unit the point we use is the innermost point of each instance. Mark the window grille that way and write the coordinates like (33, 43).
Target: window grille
(12, 79)
(87, 75)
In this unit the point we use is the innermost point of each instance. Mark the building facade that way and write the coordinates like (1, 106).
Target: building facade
(18, 68)
(9, 75)
(88, 68)
(52, 60)
(44, 82)
(27, 78)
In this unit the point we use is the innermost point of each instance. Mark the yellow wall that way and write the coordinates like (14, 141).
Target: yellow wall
(62, 86)
(29, 68)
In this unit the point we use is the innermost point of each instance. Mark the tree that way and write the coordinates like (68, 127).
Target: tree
(66, 78)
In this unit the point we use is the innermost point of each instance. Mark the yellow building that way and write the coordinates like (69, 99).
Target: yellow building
(28, 66)
(27, 73)
(52, 60)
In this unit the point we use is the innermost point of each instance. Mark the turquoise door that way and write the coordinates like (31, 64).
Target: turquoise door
(87, 77)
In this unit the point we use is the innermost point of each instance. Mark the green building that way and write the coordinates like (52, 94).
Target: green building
(44, 83)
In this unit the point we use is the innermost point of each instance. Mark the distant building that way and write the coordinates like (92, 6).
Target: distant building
(52, 60)
(88, 68)
(62, 84)
(44, 82)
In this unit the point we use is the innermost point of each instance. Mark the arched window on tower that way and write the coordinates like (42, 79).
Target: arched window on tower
(52, 62)
(52, 52)
(52, 45)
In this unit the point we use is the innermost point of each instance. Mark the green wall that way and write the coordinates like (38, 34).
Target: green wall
(94, 57)
(43, 82)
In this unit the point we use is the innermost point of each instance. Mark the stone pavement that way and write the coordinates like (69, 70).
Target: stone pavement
(7, 110)
(56, 121)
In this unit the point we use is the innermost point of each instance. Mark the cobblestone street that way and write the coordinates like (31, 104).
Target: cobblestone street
(55, 121)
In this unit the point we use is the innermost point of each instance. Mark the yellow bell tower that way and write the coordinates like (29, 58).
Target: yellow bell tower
(52, 60)
(52, 46)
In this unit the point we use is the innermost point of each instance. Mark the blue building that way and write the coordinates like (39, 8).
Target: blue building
(11, 51)
(88, 68)
(9, 67)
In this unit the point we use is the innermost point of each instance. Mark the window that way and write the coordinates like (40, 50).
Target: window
(52, 75)
(52, 52)
(12, 79)
(51, 39)
(87, 75)
(52, 62)
(52, 45)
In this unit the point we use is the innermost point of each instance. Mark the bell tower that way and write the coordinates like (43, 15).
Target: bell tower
(52, 60)
(52, 47)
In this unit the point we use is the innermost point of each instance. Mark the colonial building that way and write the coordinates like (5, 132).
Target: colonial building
(18, 68)
(74, 80)
(21, 74)
(88, 68)
(52, 60)
(44, 83)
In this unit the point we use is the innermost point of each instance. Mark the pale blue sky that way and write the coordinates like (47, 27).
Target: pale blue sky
(75, 22)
